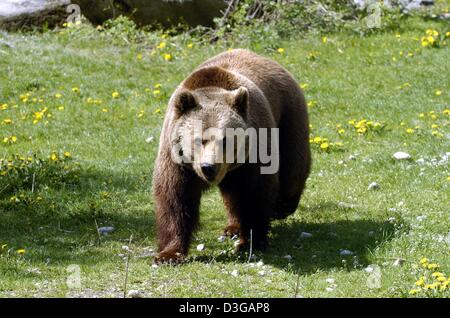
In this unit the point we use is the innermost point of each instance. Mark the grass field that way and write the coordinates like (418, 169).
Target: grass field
(89, 112)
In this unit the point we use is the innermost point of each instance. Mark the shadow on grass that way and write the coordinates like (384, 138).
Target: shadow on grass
(340, 243)
(58, 221)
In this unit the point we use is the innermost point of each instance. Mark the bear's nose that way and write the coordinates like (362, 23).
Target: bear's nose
(209, 170)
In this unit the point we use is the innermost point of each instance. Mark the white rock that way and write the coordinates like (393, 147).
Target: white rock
(305, 235)
(262, 273)
(154, 266)
(126, 248)
(420, 161)
(330, 280)
(398, 262)
(288, 257)
(135, 294)
(150, 139)
(105, 230)
(346, 252)
(221, 239)
(235, 273)
(420, 218)
(329, 289)
(373, 186)
(260, 263)
(369, 269)
(401, 155)
(200, 247)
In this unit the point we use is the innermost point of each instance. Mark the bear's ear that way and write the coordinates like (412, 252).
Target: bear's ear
(184, 102)
(240, 100)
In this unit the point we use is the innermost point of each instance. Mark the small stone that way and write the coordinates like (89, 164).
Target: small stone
(305, 235)
(346, 253)
(259, 264)
(200, 247)
(126, 248)
(401, 155)
(398, 262)
(330, 280)
(135, 294)
(420, 161)
(221, 239)
(150, 139)
(154, 266)
(374, 186)
(235, 273)
(369, 269)
(105, 230)
(288, 257)
(420, 218)
(329, 289)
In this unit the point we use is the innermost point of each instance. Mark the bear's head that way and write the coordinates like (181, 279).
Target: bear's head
(203, 120)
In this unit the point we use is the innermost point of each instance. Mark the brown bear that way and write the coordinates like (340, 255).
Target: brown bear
(237, 89)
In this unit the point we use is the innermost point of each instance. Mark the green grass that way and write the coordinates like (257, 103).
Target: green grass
(109, 182)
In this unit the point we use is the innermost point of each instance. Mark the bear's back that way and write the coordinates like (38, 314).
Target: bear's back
(275, 82)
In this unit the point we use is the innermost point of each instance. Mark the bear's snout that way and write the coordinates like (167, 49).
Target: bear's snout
(209, 170)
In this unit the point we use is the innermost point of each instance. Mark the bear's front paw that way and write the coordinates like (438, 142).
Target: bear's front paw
(232, 230)
(169, 257)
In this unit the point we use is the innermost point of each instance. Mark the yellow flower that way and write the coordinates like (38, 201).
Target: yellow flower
(167, 57)
(420, 282)
(441, 279)
(161, 45)
(304, 86)
(115, 95)
(58, 95)
(190, 45)
(139, 56)
(61, 107)
(13, 139)
(438, 93)
(141, 114)
(341, 131)
(410, 131)
(413, 291)
(324, 39)
(433, 266)
(67, 154)
(423, 260)
(105, 110)
(324, 146)
(7, 121)
(280, 50)
(75, 90)
(447, 34)
(21, 251)
(156, 92)
(157, 86)
(53, 156)
(157, 111)
(431, 286)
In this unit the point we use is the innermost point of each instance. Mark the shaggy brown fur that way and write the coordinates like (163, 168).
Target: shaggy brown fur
(252, 199)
